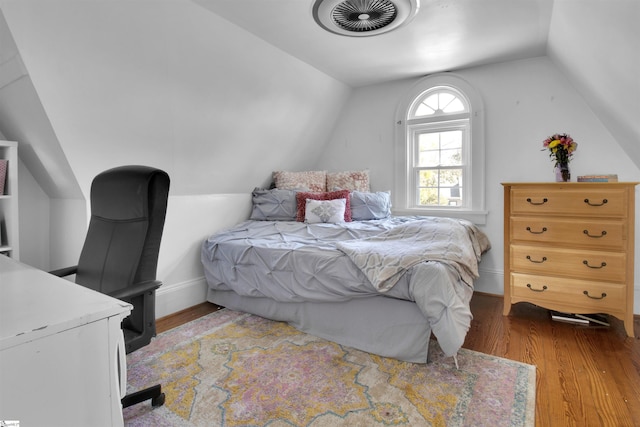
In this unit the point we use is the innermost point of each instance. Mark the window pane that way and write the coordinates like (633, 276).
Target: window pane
(444, 99)
(454, 106)
(439, 149)
(450, 177)
(424, 110)
(451, 139)
(429, 158)
(432, 102)
(440, 102)
(440, 187)
(428, 178)
(428, 196)
(429, 141)
(451, 157)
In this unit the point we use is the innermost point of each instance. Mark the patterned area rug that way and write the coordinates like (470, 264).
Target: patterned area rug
(234, 369)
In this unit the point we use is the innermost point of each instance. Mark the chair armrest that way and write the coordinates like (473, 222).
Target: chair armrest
(136, 289)
(63, 272)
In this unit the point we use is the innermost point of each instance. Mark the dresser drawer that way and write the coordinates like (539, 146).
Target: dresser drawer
(581, 295)
(602, 234)
(590, 265)
(596, 202)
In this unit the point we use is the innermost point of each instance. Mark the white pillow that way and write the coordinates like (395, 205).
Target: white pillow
(325, 211)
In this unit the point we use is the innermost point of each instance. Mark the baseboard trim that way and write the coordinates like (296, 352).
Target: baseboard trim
(491, 281)
(171, 298)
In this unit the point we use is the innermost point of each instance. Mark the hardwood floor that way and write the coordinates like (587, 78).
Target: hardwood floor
(585, 376)
(176, 319)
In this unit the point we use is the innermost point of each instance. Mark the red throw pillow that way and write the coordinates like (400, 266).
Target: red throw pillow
(301, 198)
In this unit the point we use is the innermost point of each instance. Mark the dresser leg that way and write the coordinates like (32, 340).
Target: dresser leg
(506, 308)
(628, 326)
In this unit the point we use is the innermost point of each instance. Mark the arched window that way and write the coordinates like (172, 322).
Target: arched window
(440, 150)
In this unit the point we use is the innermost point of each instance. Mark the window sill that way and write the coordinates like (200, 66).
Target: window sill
(476, 217)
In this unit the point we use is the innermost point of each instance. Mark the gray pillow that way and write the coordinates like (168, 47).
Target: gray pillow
(366, 206)
(273, 205)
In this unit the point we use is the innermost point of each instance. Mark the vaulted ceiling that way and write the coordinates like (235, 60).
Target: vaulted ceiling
(443, 35)
(596, 43)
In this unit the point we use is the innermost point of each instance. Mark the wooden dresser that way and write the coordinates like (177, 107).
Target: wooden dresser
(570, 247)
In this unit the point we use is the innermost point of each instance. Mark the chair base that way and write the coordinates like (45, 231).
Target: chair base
(154, 393)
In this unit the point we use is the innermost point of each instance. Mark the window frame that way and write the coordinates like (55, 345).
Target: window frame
(473, 185)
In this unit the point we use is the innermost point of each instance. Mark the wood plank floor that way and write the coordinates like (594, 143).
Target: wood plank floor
(585, 376)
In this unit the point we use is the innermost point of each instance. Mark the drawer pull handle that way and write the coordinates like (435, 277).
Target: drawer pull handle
(604, 233)
(545, 200)
(600, 297)
(604, 201)
(539, 232)
(544, 258)
(544, 288)
(603, 264)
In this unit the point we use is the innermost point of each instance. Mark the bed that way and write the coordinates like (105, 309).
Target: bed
(378, 283)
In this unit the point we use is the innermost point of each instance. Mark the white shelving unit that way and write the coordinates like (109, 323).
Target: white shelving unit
(9, 231)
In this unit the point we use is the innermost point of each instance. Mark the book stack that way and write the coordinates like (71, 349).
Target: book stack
(580, 319)
(598, 178)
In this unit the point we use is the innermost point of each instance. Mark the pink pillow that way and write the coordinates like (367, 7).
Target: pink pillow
(301, 198)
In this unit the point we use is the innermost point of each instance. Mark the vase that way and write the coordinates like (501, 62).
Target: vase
(562, 172)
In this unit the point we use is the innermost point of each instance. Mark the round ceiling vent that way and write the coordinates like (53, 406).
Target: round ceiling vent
(360, 18)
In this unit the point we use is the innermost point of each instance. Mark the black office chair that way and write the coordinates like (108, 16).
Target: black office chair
(120, 253)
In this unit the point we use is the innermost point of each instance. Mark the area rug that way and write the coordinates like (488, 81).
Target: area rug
(233, 369)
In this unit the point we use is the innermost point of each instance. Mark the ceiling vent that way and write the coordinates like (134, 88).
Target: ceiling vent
(361, 18)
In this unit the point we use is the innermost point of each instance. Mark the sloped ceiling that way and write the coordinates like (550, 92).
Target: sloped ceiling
(444, 35)
(173, 76)
(170, 85)
(22, 118)
(595, 42)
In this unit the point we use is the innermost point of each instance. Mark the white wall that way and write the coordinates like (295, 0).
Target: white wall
(190, 219)
(525, 101)
(170, 85)
(34, 213)
(174, 86)
(596, 43)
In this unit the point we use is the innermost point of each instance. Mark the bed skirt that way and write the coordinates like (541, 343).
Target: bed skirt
(381, 325)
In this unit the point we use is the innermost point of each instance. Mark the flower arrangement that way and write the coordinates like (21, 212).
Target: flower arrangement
(561, 148)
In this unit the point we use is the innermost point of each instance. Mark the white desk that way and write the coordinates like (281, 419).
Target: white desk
(61, 348)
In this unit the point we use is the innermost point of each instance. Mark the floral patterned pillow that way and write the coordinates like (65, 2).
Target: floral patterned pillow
(352, 180)
(302, 197)
(308, 180)
(325, 211)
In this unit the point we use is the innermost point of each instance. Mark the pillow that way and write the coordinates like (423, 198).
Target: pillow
(315, 181)
(354, 181)
(301, 197)
(365, 206)
(273, 205)
(325, 211)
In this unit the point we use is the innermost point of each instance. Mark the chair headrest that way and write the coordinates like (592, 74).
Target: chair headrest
(125, 192)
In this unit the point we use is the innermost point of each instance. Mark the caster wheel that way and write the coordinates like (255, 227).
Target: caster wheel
(158, 400)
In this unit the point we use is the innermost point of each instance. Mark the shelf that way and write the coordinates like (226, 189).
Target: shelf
(9, 229)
